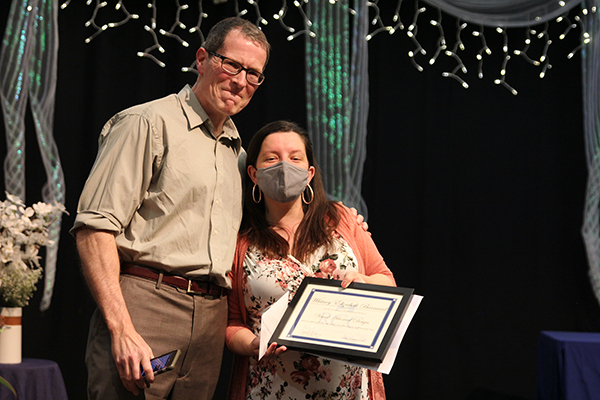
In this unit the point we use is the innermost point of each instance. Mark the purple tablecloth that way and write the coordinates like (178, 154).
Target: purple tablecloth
(568, 366)
(33, 379)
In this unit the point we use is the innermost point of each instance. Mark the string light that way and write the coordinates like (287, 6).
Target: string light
(585, 36)
(152, 30)
(483, 50)
(281, 15)
(412, 32)
(377, 21)
(411, 56)
(454, 76)
(177, 24)
(502, 80)
(307, 22)
(396, 17)
(523, 52)
(259, 19)
(441, 38)
(541, 35)
(459, 28)
(377, 17)
(101, 28)
(460, 66)
(570, 26)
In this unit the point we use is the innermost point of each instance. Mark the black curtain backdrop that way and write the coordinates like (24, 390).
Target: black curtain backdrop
(475, 196)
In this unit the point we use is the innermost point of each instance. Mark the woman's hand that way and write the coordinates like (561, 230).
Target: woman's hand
(273, 351)
(352, 276)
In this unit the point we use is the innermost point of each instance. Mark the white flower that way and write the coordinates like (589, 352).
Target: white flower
(14, 199)
(43, 209)
(6, 251)
(22, 231)
(28, 212)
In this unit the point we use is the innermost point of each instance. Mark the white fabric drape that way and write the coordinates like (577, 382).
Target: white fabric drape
(505, 13)
(28, 61)
(337, 90)
(590, 63)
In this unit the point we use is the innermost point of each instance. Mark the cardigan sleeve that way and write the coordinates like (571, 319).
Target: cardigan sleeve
(235, 299)
(237, 321)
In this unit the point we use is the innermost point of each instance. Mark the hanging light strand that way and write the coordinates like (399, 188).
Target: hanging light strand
(441, 42)
(483, 50)
(460, 66)
(152, 30)
(411, 32)
(379, 21)
(502, 80)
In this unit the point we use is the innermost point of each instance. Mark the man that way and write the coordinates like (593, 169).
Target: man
(157, 223)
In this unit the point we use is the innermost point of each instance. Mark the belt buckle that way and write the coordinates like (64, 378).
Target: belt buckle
(191, 291)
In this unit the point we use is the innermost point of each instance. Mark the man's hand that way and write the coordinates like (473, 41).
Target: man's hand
(360, 220)
(132, 354)
(101, 268)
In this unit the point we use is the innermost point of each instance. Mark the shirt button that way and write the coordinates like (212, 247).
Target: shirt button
(216, 232)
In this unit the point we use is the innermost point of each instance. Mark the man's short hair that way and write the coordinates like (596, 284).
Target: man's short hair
(217, 34)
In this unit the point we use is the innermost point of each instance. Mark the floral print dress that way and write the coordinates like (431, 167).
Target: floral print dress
(297, 375)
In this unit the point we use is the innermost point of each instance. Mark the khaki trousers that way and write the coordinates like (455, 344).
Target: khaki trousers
(167, 318)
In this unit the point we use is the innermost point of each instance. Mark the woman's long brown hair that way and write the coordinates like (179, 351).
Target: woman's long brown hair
(320, 216)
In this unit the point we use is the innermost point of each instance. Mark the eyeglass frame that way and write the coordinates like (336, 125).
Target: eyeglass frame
(261, 76)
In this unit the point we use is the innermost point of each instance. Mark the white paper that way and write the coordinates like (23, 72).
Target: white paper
(390, 355)
(273, 315)
(270, 320)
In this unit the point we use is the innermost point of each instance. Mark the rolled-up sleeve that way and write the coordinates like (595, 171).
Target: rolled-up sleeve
(129, 149)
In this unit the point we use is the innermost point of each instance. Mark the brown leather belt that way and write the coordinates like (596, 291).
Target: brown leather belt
(191, 286)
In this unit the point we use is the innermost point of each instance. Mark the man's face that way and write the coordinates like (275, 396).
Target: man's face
(220, 93)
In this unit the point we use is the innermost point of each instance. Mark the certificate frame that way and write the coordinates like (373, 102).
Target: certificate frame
(355, 324)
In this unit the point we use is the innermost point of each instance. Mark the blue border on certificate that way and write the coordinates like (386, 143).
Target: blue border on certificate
(395, 298)
(384, 321)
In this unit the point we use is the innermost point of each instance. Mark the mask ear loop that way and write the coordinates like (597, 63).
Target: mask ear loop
(254, 194)
(312, 195)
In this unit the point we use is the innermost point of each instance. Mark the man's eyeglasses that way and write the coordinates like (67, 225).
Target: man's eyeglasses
(233, 68)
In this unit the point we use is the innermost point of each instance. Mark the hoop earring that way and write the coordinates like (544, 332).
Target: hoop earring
(312, 195)
(254, 194)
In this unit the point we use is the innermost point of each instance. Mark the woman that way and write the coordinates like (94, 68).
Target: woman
(289, 231)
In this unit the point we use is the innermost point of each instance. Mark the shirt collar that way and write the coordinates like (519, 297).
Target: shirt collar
(197, 117)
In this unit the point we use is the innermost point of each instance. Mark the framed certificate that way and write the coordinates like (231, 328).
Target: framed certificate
(356, 323)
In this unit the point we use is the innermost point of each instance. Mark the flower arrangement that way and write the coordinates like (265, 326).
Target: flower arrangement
(22, 231)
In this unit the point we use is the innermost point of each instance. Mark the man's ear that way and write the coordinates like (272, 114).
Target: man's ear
(201, 59)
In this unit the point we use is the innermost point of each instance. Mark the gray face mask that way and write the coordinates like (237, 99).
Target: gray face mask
(282, 182)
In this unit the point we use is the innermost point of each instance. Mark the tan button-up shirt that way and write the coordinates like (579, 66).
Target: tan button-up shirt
(167, 189)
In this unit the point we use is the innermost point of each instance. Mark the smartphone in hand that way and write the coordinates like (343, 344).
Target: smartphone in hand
(163, 363)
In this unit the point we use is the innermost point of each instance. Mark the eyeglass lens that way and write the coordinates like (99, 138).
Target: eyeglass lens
(234, 68)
